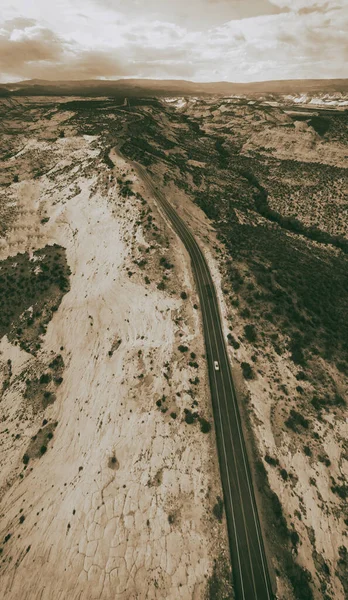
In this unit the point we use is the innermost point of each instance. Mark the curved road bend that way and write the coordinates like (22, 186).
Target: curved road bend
(249, 563)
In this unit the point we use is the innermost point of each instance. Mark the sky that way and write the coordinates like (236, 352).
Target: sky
(198, 40)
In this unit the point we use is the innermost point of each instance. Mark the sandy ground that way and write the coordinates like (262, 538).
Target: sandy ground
(120, 505)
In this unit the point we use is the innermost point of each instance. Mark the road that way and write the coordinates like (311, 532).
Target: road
(248, 557)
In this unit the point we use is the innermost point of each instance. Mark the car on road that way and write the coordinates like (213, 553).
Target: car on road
(216, 365)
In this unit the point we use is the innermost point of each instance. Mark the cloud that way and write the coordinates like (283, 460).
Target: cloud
(31, 44)
(277, 39)
(305, 7)
(193, 14)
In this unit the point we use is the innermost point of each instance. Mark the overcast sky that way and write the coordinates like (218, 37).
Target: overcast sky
(201, 40)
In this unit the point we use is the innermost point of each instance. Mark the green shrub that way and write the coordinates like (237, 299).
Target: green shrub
(247, 370)
(295, 420)
(45, 378)
(205, 426)
(182, 348)
(189, 418)
(218, 509)
(250, 333)
(271, 461)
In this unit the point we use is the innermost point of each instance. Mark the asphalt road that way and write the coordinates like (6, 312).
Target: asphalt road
(249, 563)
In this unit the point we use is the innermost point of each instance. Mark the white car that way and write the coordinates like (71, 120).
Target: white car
(216, 365)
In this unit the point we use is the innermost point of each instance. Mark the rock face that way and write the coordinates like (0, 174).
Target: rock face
(106, 492)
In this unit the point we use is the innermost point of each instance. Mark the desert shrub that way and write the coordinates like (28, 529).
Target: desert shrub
(26, 458)
(250, 333)
(284, 474)
(183, 296)
(271, 461)
(205, 426)
(189, 418)
(182, 348)
(247, 370)
(296, 351)
(45, 378)
(301, 376)
(218, 509)
(165, 263)
(340, 490)
(295, 420)
(232, 341)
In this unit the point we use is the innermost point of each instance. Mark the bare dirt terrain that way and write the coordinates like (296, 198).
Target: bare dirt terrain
(108, 489)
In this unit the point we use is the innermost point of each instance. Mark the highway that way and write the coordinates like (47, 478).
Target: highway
(249, 564)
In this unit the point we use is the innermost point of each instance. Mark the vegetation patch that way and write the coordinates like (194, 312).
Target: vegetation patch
(39, 442)
(31, 290)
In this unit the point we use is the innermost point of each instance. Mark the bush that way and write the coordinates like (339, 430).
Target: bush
(183, 296)
(248, 372)
(233, 342)
(218, 509)
(189, 418)
(45, 378)
(340, 490)
(183, 348)
(250, 333)
(43, 449)
(271, 461)
(296, 419)
(26, 459)
(296, 351)
(284, 474)
(165, 263)
(205, 426)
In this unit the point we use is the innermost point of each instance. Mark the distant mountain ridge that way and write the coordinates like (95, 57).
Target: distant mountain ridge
(153, 87)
